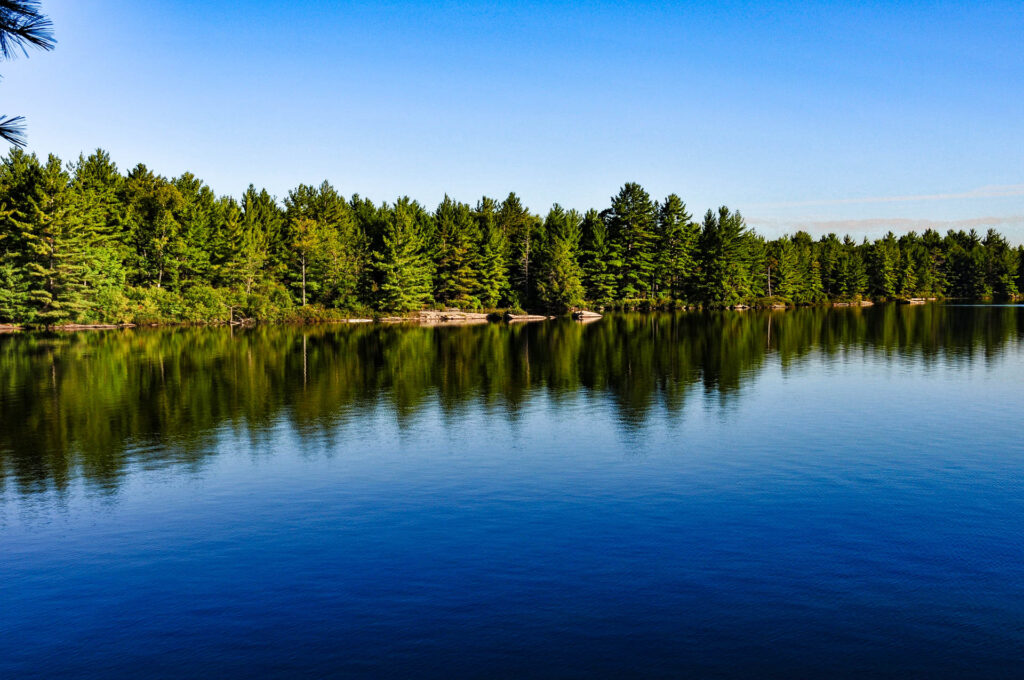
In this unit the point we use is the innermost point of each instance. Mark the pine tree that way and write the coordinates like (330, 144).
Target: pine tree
(725, 258)
(95, 195)
(252, 255)
(931, 273)
(559, 285)
(13, 307)
(854, 270)
(966, 265)
(786, 281)
(240, 248)
(335, 266)
(1020, 268)
(363, 238)
(305, 238)
(456, 255)
(152, 201)
(596, 260)
(55, 246)
(226, 243)
(195, 217)
(344, 258)
(1000, 266)
(756, 255)
(816, 289)
(884, 261)
(631, 224)
(403, 274)
(809, 287)
(522, 230)
(494, 285)
(264, 223)
(15, 184)
(677, 245)
(830, 249)
(907, 284)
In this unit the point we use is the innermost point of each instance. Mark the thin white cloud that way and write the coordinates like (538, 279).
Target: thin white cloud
(995, 191)
(875, 224)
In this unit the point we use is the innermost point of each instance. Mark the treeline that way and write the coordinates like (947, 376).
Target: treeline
(81, 242)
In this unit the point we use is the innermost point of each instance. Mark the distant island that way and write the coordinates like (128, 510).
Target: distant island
(82, 243)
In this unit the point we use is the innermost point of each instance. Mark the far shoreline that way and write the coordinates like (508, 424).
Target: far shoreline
(455, 318)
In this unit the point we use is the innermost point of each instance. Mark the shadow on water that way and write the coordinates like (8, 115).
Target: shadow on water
(93, 404)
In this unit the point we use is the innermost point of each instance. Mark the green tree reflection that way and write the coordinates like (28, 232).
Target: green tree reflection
(91, 404)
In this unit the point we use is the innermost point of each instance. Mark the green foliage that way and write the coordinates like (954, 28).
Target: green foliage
(59, 255)
(678, 235)
(87, 244)
(967, 266)
(783, 270)
(559, 281)
(1000, 266)
(631, 224)
(494, 287)
(522, 231)
(335, 256)
(264, 220)
(13, 299)
(884, 259)
(195, 217)
(457, 255)
(403, 273)
(597, 259)
(1020, 268)
(155, 239)
(725, 250)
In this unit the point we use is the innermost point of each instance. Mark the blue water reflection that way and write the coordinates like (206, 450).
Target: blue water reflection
(634, 498)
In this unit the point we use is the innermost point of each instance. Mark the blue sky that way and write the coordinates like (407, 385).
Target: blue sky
(844, 117)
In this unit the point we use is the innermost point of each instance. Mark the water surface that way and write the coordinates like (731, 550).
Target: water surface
(814, 492)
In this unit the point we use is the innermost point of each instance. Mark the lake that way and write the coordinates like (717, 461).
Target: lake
(814, 492)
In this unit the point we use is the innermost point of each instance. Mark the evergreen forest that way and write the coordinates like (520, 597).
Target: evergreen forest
(82, 242)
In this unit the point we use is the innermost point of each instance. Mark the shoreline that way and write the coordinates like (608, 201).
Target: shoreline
(454, 318)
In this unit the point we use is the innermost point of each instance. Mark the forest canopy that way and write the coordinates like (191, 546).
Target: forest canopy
(81, 242)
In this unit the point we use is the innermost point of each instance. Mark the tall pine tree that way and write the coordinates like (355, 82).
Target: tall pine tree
(632, 223)
(559, 279)
(597, 260)
(401, 264)
(494, 288)
(677, 247)
(456, 255)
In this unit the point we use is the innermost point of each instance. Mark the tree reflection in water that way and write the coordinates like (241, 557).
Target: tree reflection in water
(93, 403)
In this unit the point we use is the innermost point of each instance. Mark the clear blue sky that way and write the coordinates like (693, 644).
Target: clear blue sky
(798, 115)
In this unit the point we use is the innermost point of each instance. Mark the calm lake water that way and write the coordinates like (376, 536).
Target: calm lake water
(832, 492)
